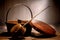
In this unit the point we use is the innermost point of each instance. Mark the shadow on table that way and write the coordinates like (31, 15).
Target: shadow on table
(19, 37)
(16, 38)
(42, 36)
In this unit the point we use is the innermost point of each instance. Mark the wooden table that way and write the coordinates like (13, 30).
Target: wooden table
(57, 37)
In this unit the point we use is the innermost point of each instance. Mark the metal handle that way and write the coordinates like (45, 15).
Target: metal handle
(18, 5)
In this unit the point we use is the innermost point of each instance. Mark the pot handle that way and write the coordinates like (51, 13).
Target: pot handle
(18, 5)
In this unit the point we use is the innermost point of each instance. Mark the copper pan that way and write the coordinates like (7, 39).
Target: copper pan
(43, 27)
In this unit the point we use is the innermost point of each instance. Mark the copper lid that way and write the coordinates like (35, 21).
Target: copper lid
(43, 27)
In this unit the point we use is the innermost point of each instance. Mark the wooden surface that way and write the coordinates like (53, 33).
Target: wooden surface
(57, 37)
